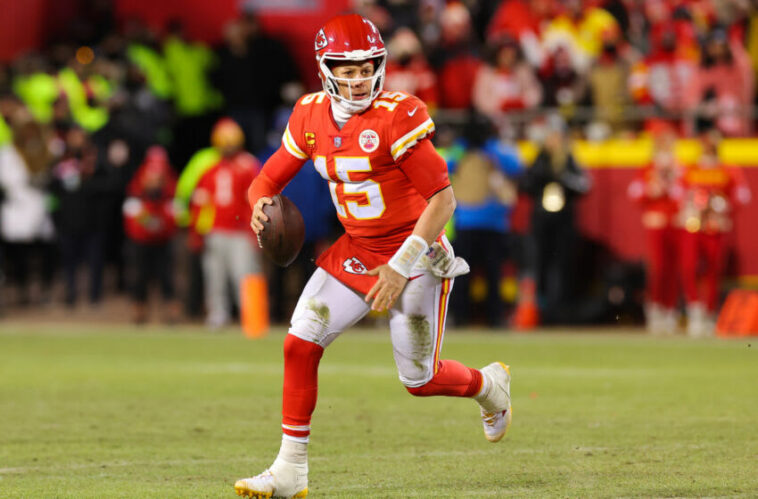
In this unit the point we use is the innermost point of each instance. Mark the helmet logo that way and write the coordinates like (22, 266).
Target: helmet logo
(368, 140)
(320, 40)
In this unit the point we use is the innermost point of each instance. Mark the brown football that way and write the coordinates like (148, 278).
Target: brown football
(283, 235)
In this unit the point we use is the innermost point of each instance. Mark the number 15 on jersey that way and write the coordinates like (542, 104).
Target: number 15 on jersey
(358, 199)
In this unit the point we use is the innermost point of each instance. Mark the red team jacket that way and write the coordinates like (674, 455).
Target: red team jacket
(149, 216)
(377, 191)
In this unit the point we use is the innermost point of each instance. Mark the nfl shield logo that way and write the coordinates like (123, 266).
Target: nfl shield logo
(337, 141)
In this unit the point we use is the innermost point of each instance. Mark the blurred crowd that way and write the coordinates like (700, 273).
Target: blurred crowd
(126, 151)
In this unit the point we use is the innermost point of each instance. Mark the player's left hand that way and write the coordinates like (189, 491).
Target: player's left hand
(387, 288)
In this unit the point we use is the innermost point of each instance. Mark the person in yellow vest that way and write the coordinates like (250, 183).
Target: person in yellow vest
(90, 117)
(39, 91)
(153, 65)
(188, 64)
(195, 99)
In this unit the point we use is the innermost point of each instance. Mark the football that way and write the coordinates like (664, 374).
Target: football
(283, 234)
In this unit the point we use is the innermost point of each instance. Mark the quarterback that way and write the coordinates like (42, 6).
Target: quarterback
(392, 194)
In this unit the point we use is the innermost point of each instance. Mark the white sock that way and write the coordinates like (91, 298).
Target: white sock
(484, 389)
(293, 451)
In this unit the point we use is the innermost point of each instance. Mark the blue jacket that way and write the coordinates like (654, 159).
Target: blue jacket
(492, 214)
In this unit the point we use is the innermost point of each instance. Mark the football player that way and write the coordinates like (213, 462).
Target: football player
(392, 194)
(655, 189)
(712, 192)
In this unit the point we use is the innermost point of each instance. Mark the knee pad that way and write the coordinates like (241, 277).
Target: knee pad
(311, 321)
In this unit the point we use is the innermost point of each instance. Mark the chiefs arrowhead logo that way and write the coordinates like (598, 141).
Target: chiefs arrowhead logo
(320, 39)
(354, 266)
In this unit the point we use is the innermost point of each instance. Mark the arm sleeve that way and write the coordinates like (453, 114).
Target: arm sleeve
(280, 168)
(426, 169)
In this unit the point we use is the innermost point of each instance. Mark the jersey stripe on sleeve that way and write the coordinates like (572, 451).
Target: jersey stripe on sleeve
(289, 143)
(409, 139)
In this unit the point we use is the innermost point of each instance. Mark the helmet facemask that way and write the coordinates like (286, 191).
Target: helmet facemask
(332, 83)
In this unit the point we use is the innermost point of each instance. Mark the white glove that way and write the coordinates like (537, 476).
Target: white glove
(442, 263)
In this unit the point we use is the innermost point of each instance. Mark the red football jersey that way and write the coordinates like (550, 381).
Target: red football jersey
(224, 188)
(377, 201)
(660, 206)
(710, 196)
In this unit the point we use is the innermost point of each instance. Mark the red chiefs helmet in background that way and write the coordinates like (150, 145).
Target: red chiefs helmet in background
(350, 38)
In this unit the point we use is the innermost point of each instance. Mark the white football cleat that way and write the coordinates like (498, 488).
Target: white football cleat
(282, 479)
(495, 404)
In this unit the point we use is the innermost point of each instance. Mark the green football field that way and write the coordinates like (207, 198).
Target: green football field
(119, 412)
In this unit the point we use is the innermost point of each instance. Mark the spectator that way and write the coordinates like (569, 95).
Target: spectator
(145, 56)
(654, 190)
(485, 189)
(523, 21)
(582, 29)
(555, 182)
(26, 229)
(428, 26)
(456, 58)
(78, 217)
(149, 221)
(407, 68)
(190, 64)
(223, 214)
(202, 161)
(139, 117)
(724, 86)
(564, 87)
(664, 77)
(607, 80)
(251, 98)
(506, 83)
(711, 194)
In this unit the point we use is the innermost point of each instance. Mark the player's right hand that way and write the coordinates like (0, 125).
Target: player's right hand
(258, 215)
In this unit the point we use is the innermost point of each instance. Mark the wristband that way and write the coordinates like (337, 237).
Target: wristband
(409, 253)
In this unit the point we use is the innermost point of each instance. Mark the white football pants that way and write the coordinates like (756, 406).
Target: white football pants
(417, 320)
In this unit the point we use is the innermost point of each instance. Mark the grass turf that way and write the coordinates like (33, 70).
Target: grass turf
(119, 412)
